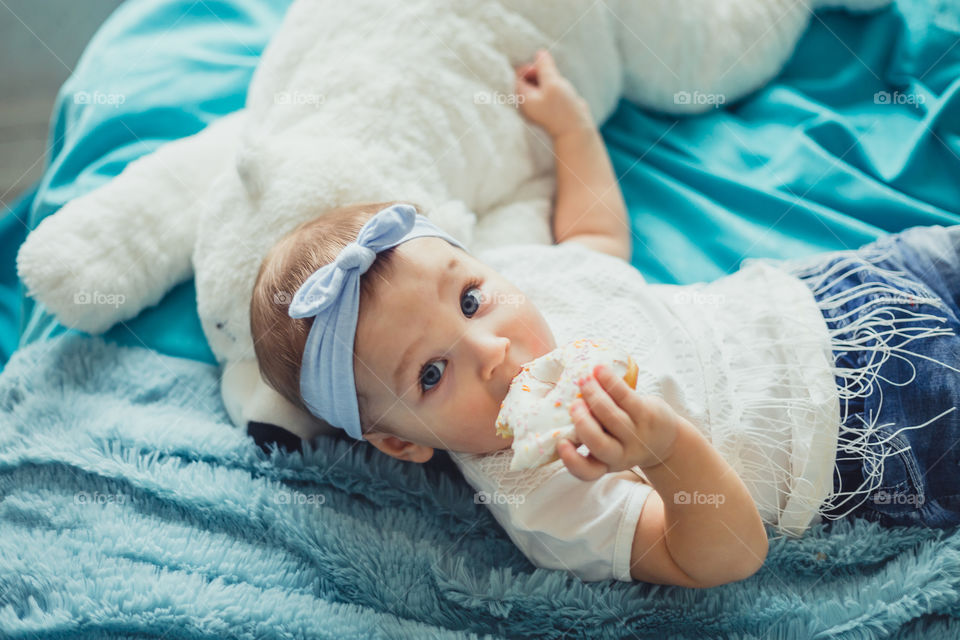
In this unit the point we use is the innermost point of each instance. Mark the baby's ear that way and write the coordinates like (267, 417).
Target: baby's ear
(399, 448)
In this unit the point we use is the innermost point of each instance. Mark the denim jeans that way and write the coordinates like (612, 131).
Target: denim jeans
(910, 410)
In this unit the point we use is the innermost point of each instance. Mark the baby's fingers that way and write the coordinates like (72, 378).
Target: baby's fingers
(527, 73)
(586, 468)
(621, 393)
(545, 65)
(529, 91)
(604, 407)
(602, 445)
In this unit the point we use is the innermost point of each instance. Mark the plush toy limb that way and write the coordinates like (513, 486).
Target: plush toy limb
(104, 257)
(693, 56)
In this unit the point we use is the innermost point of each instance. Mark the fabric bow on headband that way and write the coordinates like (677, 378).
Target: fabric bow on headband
(332, 296)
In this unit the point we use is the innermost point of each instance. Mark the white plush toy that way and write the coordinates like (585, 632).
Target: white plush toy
(373, 100)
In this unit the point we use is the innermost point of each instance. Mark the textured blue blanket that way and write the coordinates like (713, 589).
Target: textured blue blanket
(130, 507)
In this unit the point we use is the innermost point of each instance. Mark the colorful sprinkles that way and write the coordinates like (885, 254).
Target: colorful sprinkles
(535, 411)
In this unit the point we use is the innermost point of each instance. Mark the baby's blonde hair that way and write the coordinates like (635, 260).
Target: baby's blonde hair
(278, 339)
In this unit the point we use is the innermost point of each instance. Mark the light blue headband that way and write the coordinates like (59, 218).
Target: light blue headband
(332, 296)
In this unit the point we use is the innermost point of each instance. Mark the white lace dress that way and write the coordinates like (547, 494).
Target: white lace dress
(746, 359)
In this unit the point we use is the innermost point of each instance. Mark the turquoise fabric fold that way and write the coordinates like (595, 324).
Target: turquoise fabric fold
(858, 136)
(13, 231)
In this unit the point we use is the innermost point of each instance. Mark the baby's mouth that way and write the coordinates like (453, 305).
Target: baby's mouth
(512, 378)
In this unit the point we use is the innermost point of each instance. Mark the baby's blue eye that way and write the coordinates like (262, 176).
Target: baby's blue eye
(428, 379)
(473, 302)
(469, 305)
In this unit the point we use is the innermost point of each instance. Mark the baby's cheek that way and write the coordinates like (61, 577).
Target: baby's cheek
(474, 408)
(471, 401)
(537, 332)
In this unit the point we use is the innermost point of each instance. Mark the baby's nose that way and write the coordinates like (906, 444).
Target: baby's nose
(496, 361)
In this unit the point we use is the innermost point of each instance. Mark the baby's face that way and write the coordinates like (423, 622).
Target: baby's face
(437, 348)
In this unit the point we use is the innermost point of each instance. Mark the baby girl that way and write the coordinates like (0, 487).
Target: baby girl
(759, 399)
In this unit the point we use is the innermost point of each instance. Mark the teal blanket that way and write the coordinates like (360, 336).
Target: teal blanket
(129, 507)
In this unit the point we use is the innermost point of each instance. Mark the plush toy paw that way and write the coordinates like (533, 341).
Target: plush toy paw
(104, 257)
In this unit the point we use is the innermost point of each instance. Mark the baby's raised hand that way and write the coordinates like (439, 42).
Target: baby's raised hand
(548, 99)
(621, 427)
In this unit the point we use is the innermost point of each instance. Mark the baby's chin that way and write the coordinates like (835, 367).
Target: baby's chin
(482, 448)
(501, 444)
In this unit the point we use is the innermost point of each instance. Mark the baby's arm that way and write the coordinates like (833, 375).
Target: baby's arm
(589, 206)
(700, 527)
(681, 541)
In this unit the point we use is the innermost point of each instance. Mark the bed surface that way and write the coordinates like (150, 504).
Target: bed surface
(131, 508)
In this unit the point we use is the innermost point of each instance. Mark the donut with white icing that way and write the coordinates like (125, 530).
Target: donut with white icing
(536, 410)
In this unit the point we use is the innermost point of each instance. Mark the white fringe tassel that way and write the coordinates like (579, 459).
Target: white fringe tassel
(879, 319)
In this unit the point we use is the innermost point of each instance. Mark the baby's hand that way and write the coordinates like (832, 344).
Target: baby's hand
(621, 428)
(549, 100)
